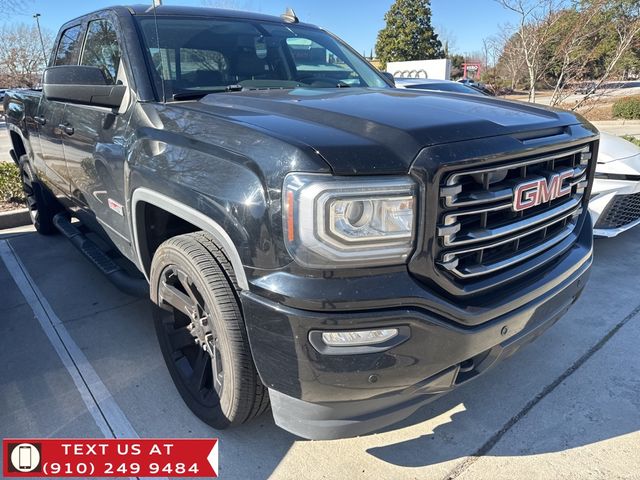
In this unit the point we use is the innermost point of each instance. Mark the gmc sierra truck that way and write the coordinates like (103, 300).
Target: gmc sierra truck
(313, 238)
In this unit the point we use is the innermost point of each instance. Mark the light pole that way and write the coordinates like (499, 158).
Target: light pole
(44, 53)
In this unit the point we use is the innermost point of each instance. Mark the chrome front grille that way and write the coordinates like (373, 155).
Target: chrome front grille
(480, 233)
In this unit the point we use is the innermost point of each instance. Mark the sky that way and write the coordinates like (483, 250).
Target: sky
(466, 22)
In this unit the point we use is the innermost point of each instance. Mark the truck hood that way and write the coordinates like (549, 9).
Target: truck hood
(376, 131)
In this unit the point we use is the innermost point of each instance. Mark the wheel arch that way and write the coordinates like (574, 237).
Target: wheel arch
(18, 143)
(143, 197)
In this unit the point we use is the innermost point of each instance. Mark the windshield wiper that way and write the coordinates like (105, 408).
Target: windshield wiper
(194, 94)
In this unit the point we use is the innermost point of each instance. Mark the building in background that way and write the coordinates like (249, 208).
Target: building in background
(472, 70)
(438, 69)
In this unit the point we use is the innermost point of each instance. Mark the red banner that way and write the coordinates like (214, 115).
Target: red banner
(110, 458)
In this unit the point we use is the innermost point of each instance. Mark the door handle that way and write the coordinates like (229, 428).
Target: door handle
(40, 120)
(66, 128)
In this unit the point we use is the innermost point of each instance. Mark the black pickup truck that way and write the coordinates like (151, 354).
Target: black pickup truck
(314, 239)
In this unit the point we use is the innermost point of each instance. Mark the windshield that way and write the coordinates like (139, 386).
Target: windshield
(203, 55)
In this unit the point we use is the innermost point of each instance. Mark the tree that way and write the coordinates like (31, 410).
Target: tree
(448, 39)
(562, 43)
(510, 65)
(456, 66)
(621, 19)
(536, 20)
(229, 4)
(408, 34)
(21, 61)
(9, 7)
(571, 48)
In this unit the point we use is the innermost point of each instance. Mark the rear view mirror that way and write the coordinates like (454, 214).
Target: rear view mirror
(390, 77)
(81, 84)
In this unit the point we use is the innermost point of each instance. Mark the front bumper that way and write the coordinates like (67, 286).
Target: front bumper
(321, 397)
(605, 192)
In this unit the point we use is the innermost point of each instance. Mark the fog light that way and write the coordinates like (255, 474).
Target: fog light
(358, 338)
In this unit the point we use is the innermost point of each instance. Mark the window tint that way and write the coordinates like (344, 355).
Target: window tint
(164, 62)
(197, 67)
(69, 46)
(192, 59)
(191, 55)
(314, 60)
(101, 49)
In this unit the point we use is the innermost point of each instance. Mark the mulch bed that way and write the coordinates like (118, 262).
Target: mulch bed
(8, 206)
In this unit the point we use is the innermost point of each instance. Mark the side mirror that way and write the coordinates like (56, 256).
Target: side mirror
(81, 84)
(390, 77)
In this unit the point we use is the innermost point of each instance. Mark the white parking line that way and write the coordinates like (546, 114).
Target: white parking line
(107, 414)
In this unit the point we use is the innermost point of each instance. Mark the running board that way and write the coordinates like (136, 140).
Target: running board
(137, 287)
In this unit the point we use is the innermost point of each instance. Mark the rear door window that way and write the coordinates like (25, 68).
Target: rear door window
(101, 49)
(69, 46)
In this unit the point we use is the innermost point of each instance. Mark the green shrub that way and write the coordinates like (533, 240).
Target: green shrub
(10, 184)
(627, 108)
(632, 139)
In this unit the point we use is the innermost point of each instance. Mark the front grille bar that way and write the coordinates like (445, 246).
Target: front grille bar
(450, 262)
(490, 234)
(452, 192)
(480, 233)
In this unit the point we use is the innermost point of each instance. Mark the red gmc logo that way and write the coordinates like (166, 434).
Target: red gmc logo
(541, 190)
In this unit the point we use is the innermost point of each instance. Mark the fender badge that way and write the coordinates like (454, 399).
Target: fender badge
(116, 207)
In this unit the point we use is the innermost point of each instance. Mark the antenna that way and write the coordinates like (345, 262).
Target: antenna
(290, 16)
(165, 75)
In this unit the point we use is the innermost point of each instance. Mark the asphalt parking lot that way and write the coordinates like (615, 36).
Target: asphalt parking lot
(79, 359)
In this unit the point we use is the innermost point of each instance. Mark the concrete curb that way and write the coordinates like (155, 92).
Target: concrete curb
(14, 218)
(616, 123)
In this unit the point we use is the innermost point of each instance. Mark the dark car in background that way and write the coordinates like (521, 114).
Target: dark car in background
(585, 88)
(438, 85)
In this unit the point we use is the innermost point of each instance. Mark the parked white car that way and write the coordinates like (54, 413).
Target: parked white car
(615, 199)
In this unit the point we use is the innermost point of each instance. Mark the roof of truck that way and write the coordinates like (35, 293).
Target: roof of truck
(147, 9)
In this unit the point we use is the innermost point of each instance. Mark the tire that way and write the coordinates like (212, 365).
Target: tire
(42, 208)
(207, 352)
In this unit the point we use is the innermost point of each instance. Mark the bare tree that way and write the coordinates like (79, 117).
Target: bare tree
(570, 54)
(10, 7)
(246, 5)
(448, 39)
(21, 61)
(624, 15)
(510, 62)
(536, 20)
(492, 48)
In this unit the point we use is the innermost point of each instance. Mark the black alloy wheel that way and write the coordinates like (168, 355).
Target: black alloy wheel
(201, 331)
(190, 331)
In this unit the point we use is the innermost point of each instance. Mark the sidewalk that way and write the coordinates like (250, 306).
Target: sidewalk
(588, 427)
(619, 127)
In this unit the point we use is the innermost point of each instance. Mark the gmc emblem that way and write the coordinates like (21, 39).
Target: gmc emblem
(541, 190)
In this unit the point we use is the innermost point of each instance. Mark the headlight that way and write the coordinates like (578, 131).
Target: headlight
(347, 221)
